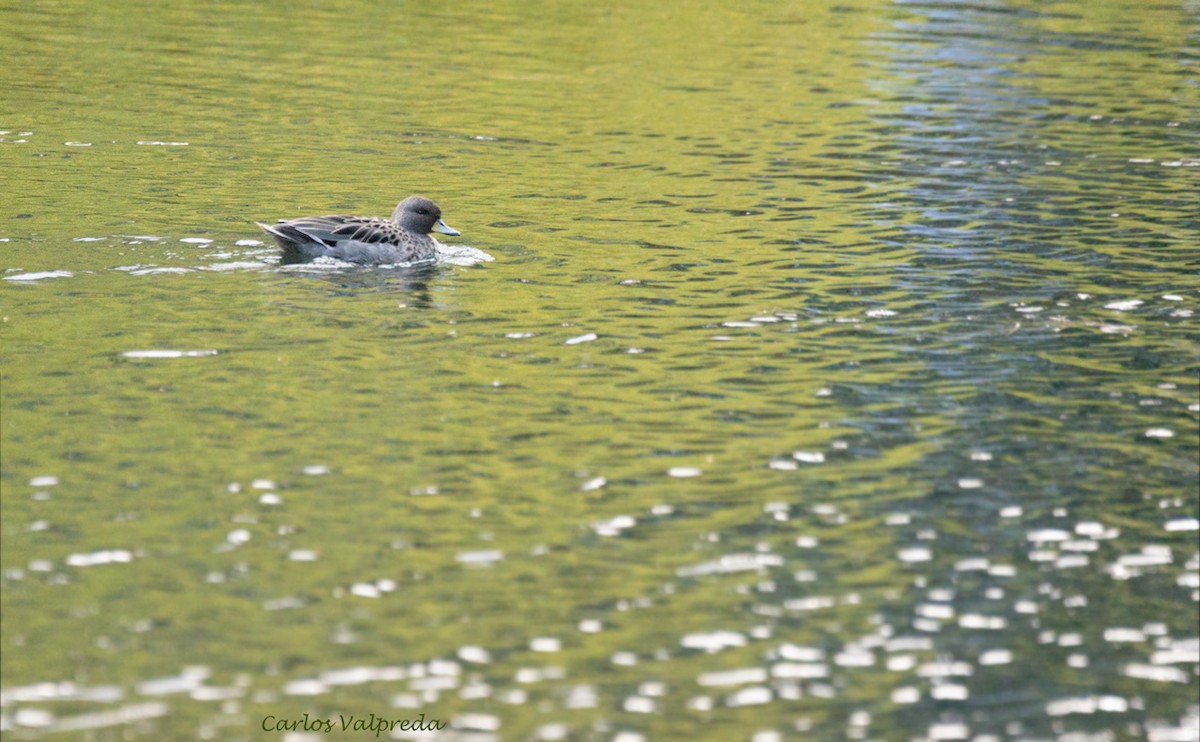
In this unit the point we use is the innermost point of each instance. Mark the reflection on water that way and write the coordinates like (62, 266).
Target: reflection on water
(835, 375)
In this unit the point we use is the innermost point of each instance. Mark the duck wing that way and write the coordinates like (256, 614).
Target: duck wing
(371, 231)
(327, 230)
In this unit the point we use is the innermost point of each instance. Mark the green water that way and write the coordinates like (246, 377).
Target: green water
(851, 349)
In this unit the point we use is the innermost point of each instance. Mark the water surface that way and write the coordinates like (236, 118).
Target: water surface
(835, 376)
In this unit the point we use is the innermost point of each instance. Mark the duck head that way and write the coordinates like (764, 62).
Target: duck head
(420, 215)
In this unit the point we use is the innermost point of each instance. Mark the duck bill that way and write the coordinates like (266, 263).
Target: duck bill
(442, 227)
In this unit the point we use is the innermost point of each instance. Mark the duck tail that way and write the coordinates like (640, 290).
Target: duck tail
(271, 231)
(291, 244)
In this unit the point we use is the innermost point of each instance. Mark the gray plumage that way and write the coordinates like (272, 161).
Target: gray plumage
(367, 240)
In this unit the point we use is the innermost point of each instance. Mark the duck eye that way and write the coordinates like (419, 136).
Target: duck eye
(423, 211)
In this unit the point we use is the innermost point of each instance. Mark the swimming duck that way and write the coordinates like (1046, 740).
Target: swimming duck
(367, 240)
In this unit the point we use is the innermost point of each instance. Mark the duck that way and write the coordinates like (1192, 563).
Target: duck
(405, 238)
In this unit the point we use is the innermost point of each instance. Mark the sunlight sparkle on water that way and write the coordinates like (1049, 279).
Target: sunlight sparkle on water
(38, 276)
